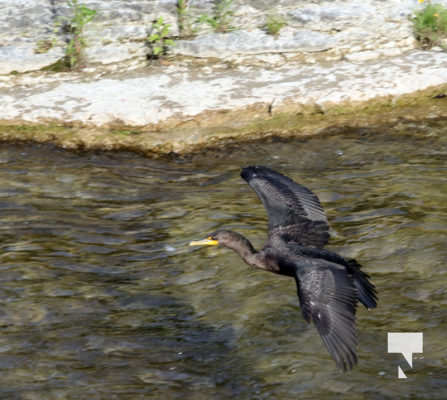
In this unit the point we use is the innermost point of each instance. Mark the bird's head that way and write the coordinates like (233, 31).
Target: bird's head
(230, 239)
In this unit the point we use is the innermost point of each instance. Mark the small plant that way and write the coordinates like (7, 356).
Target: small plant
(158, 39)
(182, 17)
(221, 20)
(185, 20)
(430, 25)
(82, 15)
(274, 24)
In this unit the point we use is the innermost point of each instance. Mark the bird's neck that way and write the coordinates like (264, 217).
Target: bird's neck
(259, 259)
(247, 253)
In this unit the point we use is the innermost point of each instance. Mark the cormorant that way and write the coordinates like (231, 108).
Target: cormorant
(328, 284)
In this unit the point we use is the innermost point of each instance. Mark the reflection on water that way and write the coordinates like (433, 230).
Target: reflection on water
(103, 299)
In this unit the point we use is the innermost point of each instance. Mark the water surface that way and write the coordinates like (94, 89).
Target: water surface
(101, 298)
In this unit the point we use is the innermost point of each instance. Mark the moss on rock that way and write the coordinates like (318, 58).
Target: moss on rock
(216, 129)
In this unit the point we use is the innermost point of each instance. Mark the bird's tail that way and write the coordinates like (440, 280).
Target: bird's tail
(366, 290)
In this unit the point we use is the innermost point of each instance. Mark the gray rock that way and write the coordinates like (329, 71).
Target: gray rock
(120, 27)
(178, 93)
(22, 58)
(327, 13)
(220, 45)
(115, 53)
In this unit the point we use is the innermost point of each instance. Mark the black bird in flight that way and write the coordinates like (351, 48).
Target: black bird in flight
(328, 284)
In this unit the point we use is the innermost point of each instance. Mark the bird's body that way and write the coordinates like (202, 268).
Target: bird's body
(329, 285)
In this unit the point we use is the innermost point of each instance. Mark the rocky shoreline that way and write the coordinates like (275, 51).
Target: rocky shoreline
(334, 65)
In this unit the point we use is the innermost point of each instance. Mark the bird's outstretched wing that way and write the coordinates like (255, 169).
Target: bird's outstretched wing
(294, 212)
(328, 298)
(366, 290)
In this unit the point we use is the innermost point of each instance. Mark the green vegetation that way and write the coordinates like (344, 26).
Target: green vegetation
(125, 132)
(251, 125)
(82, 15)
(158, 39)
(221, 20)
(44, 45)
(430, 25)
(274, 24)
(184, 26)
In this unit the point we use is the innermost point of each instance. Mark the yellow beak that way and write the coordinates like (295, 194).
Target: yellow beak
(205, 242)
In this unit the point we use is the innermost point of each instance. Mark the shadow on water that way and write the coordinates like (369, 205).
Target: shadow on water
(101, 297)
(154, 346)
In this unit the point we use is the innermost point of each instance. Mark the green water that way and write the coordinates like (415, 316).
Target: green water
(101, 298)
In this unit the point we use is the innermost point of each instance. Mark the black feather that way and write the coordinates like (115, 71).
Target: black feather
(328, 298)
(293, 210)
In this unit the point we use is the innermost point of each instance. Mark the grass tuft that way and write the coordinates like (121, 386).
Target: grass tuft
(430, 25)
